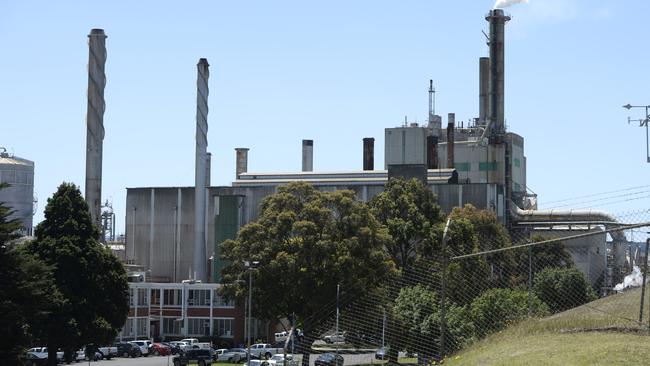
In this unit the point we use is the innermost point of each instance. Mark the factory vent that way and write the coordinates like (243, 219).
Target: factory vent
(307, 155)
(497, 20)
(241, 165)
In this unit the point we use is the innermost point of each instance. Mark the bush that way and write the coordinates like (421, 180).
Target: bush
(562, 289)
(496, 308)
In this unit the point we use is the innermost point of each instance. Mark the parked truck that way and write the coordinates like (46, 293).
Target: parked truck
(193, 343)
(265, 350)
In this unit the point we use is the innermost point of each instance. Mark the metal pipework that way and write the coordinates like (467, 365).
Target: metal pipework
(199, 260)
(369, 153)
(497, 20)
(307, 155)
(432, 152)
(483, 83)
(95, 122)
(241, 163)
(451, 122)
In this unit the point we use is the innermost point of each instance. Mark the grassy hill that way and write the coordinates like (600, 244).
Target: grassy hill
(602, 332)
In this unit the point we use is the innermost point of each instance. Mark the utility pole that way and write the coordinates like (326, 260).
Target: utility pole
(642, 123)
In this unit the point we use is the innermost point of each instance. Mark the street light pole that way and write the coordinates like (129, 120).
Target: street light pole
(250, 266)
(642, 123)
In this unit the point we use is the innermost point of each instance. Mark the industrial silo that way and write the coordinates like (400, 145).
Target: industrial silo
(19, 196)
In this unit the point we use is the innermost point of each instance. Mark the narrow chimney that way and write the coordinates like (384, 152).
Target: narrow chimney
(432, 152)
(483, 83)
(497, 20)
(307, 155)
(242, 161)
(369, 153)
(451, 121)
(95, 122)
(199, 259)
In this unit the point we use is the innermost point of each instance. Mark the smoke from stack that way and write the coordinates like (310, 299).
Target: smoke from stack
(95, 122)
(199, 259)
(500, 4)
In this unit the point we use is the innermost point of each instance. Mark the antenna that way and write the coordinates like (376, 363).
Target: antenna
(432, 100)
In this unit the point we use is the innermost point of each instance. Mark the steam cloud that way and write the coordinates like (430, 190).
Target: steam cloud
(500, 4)
(634, 279)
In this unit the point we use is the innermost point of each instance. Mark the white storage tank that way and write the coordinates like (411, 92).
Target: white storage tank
(19, 196)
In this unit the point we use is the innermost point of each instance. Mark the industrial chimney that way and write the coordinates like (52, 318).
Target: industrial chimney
(199, 260)
(241, 164)
(307, 155)
(432, 152)
(369, 153)
(451, 122)
(497, 20)
(95, 122)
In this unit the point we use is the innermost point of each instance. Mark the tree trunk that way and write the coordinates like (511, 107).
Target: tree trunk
(51, 354)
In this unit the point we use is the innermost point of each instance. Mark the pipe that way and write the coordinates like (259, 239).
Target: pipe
(369, 153)
(199, 260)
(483, 83)
(241, 165)
(497, 20)
(576, 217)
(307, 155)
(451, 121)
(95, 122)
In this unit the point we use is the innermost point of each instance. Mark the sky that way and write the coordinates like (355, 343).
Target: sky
(334, 72)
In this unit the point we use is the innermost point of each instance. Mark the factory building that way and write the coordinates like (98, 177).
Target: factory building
(18, 173)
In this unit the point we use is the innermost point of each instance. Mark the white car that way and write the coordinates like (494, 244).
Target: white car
(143, 345)
(233, 355)
(41, 352)
(278, 360)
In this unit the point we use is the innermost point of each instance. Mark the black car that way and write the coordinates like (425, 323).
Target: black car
(329, 359)
(201, 356)
(127, 350)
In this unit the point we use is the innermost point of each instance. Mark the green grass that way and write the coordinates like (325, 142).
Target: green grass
(603, 332)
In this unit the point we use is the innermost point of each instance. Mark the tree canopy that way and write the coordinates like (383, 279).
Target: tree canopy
(307, 242)
(90, 279)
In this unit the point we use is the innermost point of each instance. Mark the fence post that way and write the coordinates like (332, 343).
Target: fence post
(443, 288)
(645, 272)
(530, 280)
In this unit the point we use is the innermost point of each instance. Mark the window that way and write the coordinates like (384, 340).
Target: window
(172, 297)
(155, 296)
(198, 326)
(142, 326)
(143, 297)
(222, 327)
(487, 166)
(517, 187)
(199, 298)
(127, 330)
(220, 302)
(517, 162)
(131, 296)
(172, 326)
(463, 167)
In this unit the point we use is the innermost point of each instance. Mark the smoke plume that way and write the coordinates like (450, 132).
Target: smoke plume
(634, 279)
(500, 4)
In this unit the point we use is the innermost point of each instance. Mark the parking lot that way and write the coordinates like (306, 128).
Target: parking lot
(357, 359)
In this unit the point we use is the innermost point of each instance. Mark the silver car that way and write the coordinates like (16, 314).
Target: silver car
(233, 355)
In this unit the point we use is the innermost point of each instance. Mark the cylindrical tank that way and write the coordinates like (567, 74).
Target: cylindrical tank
(19, 196)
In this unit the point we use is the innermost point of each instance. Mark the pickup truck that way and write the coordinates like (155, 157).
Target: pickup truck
(264, 350)
(193, 343)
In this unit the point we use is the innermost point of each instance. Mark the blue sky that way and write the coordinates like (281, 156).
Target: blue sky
(335, 72)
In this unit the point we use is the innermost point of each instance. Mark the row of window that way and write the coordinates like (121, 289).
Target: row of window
(221, 327)
(482, 166)
(173, 297)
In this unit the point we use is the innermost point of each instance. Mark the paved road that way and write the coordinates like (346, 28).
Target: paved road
(366, 358)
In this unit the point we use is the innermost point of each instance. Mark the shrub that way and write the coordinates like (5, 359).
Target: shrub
(562, 288)
(496, 308)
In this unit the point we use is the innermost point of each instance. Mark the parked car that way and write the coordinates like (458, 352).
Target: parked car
(41, 352)
(329, 359)
(183, 346)
(159, 349)
(143, 345)
(264, 350)
(194, 343)
(382, 353)
(201, 356)
(218, 352)
(127, 350)
(278, 360)
(335, 338)
(173, 348)
(32, 359)
(233, 355)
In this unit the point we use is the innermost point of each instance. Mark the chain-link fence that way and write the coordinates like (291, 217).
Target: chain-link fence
(478, 279)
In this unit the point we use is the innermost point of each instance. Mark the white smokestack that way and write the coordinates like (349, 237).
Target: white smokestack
(500, 4)
(199, 262)
(95, 122)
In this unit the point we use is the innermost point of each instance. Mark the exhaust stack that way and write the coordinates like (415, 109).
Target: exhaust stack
(307, 155)
(95, 122)
(369, 153)
(242, 161)
(483, 89)
(199, 260)
(497, 20)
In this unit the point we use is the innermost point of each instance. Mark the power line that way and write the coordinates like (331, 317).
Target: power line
(596, 194)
